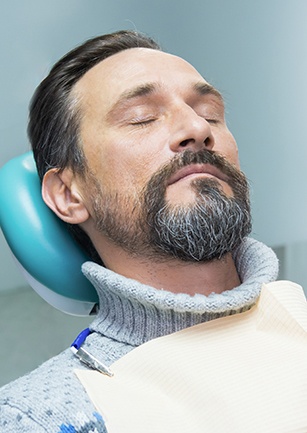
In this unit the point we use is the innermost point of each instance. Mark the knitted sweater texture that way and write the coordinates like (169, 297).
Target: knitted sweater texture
(51, 399)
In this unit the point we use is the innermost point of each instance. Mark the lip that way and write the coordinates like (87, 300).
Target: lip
(197, 169)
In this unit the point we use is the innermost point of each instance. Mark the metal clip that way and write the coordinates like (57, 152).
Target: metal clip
(92, 362)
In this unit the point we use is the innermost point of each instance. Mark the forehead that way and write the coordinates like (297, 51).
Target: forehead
(136, 66)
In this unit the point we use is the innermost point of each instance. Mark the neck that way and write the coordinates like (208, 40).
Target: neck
(150, 313)
(174, 275)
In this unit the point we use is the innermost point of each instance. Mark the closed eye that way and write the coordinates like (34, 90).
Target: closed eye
(142, 121)
(212, 121)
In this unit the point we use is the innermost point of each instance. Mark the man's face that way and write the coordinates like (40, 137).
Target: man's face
(142, 110)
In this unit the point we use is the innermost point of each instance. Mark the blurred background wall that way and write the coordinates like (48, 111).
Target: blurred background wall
(253, 52)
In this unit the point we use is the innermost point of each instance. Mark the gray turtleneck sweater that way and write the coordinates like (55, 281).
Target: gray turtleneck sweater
(51, 398)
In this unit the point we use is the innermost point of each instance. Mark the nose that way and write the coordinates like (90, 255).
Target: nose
(191, 131)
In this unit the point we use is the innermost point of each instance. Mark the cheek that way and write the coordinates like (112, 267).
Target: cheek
(234, 155)
(125, 169)
(135, 159)
(226, 145)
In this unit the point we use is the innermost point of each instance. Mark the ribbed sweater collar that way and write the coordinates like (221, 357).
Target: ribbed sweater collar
(133, 313)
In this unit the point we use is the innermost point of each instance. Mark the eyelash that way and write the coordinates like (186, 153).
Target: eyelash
(213, 121)
(142, 122)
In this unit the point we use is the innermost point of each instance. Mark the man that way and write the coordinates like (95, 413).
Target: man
(135, 156)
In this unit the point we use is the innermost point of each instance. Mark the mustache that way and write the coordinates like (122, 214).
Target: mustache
(233, 174)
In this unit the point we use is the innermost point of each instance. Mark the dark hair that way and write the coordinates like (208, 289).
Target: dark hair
(54, 115)
(53, 118)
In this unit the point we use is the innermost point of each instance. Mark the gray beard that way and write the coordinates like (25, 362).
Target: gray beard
(202, 231)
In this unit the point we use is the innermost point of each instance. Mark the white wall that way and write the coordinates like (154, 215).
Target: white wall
(253, 51)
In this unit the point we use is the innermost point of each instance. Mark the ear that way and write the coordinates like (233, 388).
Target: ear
(61, 193)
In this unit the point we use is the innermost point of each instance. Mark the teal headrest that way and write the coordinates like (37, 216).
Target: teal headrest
(49, 257)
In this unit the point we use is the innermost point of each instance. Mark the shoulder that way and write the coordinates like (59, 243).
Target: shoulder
(49, 399)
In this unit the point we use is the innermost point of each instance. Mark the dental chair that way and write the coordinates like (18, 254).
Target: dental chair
(45, 252)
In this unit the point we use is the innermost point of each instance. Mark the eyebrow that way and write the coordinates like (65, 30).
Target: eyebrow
(203, 88)
(130, 94)
(141, 90)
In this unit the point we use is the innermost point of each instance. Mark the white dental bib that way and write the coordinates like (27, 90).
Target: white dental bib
(242, 373)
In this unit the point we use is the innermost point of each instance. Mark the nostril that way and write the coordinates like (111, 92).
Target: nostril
(208, 142)
(184, 143)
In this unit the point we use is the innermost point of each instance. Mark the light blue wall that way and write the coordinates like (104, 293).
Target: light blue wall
(253, 51)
